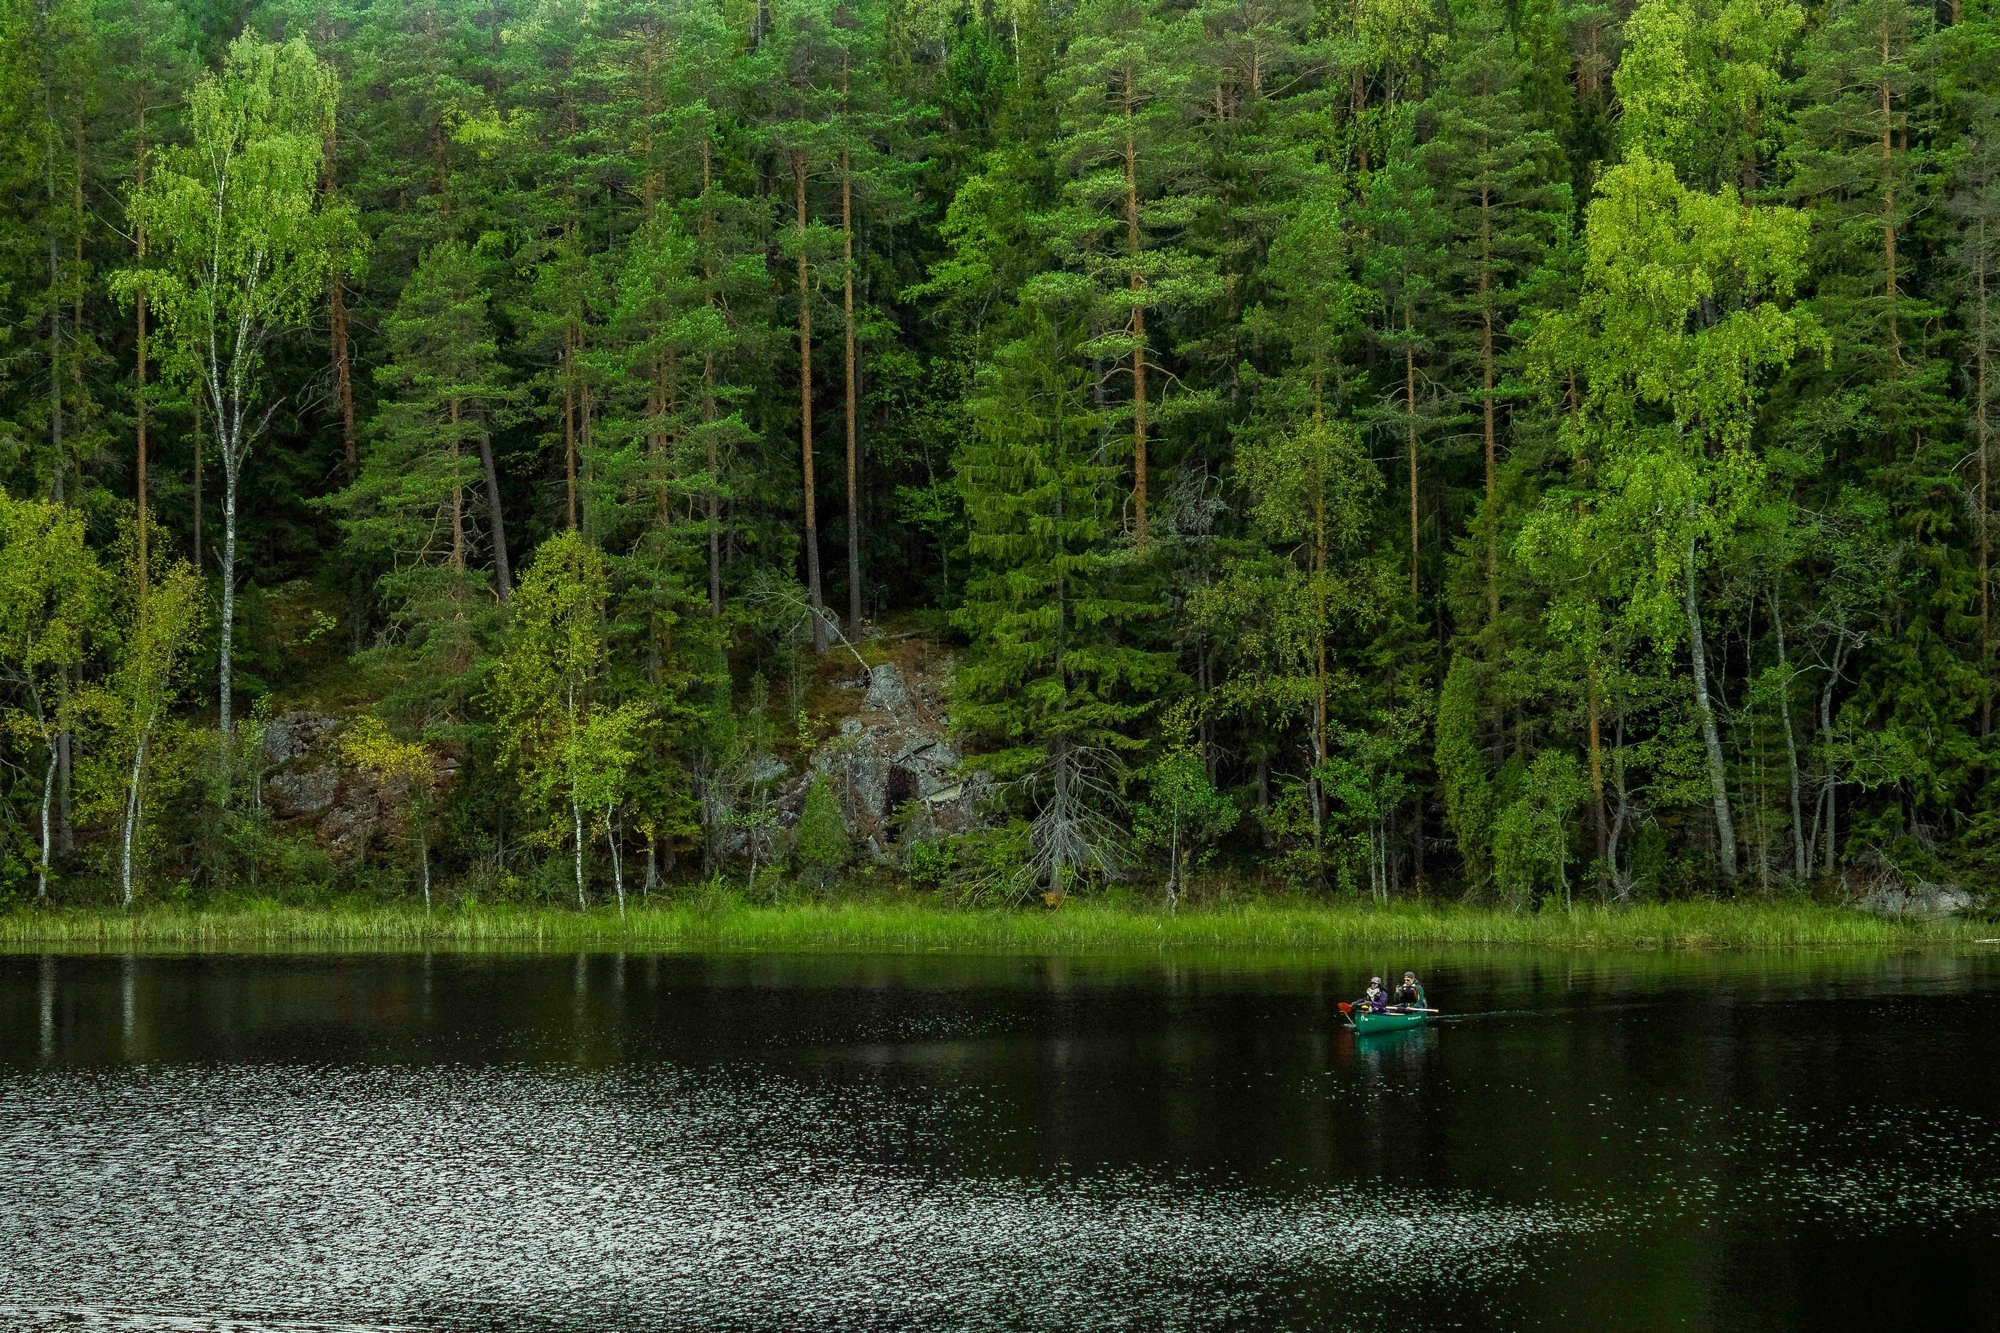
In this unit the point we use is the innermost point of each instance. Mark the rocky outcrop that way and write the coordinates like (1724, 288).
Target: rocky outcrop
(1876, 884)
(893, 762)
(890, 760)
(309, 789)
(1922, 900)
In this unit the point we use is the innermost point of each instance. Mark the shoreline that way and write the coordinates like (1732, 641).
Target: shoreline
(927, 927)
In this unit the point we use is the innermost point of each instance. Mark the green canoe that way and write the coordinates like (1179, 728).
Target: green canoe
(1367, 1023)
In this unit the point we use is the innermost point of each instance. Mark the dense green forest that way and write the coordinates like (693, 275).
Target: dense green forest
(1491, 448)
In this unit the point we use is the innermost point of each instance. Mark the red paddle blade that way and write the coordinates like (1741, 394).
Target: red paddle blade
(1346, 1008)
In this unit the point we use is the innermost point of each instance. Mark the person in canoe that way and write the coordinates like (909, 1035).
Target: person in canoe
(1376, 1001)
(1410, 995)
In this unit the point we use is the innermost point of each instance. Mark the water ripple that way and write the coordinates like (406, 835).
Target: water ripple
(241, 1198)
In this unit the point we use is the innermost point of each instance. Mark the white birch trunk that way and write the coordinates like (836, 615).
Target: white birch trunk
(1725, 827)
(48, 794)
(617, 864)
(132, 812)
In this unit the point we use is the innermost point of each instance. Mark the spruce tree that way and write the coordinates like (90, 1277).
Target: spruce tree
(412, 511)
(1054, 687)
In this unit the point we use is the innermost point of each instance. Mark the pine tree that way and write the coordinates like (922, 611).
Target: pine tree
(554, 50)
(1499, 183)
(805, 51)
(1405, 230)
(1382, 49)
(1975, 205)
(1877, 418)
(1300, 581)
(1260, 127)
(1854, 161)
(1127, 90)
(153, 46)
(1297, 459)
(862, 136)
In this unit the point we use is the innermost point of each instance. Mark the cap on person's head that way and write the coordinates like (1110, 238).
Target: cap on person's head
(1409, 976)
(1374, 981)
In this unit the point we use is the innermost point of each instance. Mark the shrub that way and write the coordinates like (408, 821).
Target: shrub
(927, 865)
(823, 848)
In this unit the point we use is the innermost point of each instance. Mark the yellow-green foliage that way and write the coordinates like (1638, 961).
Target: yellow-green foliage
(367, 744)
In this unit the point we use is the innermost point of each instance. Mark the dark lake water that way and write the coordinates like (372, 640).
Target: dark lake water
(480, 1142)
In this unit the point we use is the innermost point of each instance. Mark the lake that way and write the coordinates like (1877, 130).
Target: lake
(468, 1142)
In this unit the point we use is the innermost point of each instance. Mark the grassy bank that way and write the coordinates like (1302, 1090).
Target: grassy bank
(924, 927)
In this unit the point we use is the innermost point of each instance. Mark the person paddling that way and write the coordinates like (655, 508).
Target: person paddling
(1376, 1001)
(1410, 994)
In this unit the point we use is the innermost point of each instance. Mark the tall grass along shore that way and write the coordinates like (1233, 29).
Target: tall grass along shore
(926, 927)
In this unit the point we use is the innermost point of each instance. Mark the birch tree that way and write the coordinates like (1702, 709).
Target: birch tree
(243, 244)
(52, 598)
(1685, 311)
(165, 628)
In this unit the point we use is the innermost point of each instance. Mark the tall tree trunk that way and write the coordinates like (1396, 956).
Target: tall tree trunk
(576, 815)
(1137, 284)
(58, 482)
(659, 402)
(569, 423)
(714, 490)
(336, 320)
(1410, 426)
(343, 382)
(48, 797)
(76, 340)
(853, 449)
(806, 412)
(1488, 424)
(65, 770)
(1313, 791)
(495, 517)
(1828, 801)
(575, 801)
(139, 402)
(1725, 828)
(231, 469)
(132, 811)
(1981, 344)
(708, 392)
(457, 499)
(53, 141)
(1801, 868)
(1359, 104)
(617, 864)
(1889, 208)
(195, 438)
(1597, 822)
